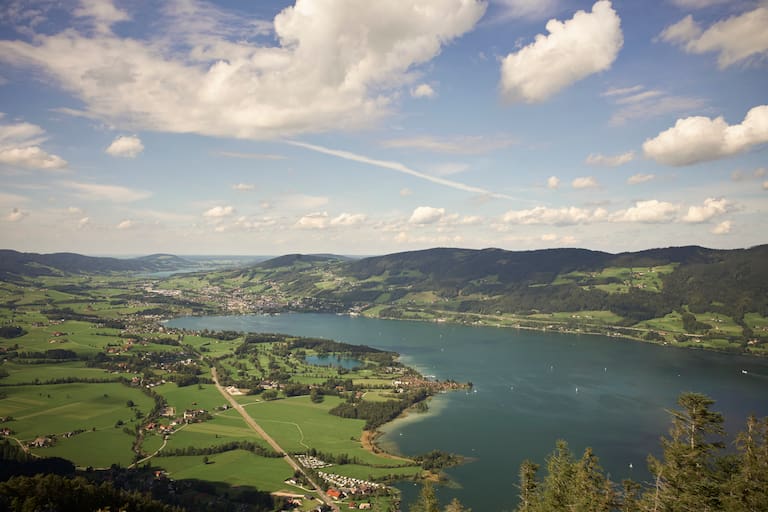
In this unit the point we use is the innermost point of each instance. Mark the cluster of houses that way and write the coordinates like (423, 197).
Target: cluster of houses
(336, 494)
(311, 462)
(348, 485)
(189, 416)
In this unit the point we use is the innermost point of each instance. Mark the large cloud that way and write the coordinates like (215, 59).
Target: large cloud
(338, 64)
(736, 39)
(699, 139)
(574, 49)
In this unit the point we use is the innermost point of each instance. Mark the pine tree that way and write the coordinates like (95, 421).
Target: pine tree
(747, 488)
(629, 496)
(529, 487)
(686, 480)
(592, 491)
(557, 486)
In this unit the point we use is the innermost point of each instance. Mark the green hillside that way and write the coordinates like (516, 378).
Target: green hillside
(681, 294)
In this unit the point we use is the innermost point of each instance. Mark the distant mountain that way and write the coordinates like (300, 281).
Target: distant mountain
(292, 260)
(14, 263)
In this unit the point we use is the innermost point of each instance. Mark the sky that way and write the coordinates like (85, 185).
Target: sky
(357, 127)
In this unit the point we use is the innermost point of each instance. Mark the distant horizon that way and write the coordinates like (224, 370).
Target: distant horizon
(264, 257)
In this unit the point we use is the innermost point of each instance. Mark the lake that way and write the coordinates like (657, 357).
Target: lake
(531, 388)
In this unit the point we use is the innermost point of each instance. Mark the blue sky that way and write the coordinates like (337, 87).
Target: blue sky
(134, 127)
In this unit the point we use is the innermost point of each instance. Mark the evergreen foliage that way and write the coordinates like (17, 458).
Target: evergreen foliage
(692, 475)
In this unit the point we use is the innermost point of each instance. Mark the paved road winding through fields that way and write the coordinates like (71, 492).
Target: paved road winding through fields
(257, 428)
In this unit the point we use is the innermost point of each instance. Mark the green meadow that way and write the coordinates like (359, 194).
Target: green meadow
(297, 424)
(236, 467)
(100, 410)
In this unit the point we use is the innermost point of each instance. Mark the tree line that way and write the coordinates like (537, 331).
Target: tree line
(249, 446)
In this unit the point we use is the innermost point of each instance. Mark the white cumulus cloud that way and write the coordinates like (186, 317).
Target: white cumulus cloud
(317, 220)
(333, 64)
(610, 161)
(125, 146)
(426, 215)
(651, 212)
(20, 147)
(126, 224)
(711, 208)
(348, 219)
(699, 139)
(574, 49)
(736, 39)
(553, 182)
(557, 216)
(218, 212)
(31, 157)
(423, 91)
(243, 187)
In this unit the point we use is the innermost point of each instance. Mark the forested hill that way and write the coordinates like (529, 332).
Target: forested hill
(677, 288)
(14, 263)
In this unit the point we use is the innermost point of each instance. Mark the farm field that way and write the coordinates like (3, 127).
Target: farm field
(236, 467)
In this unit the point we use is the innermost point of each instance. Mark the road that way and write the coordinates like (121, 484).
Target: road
(257, 428)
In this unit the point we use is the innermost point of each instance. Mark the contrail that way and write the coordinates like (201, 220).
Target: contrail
(396, 166)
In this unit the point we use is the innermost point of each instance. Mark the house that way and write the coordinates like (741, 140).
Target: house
(41, 442)
(333, 493)
(364, 506)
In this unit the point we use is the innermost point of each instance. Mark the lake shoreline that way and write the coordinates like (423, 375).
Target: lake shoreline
(558, 327)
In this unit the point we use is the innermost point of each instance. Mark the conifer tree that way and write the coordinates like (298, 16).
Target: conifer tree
(529, 487)
(557, 486)
(747, 489)
(592, 491)
(686, 480)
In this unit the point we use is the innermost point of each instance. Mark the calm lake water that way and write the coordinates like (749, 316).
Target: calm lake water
(336, 361)
(532, 388)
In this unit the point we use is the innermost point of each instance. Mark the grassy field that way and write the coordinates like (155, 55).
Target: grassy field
(601, 317)
(236, 467)
(48, 410)
(99, 449)
(221, 429)
(28, 373)
(297, 424)
(203, 396)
